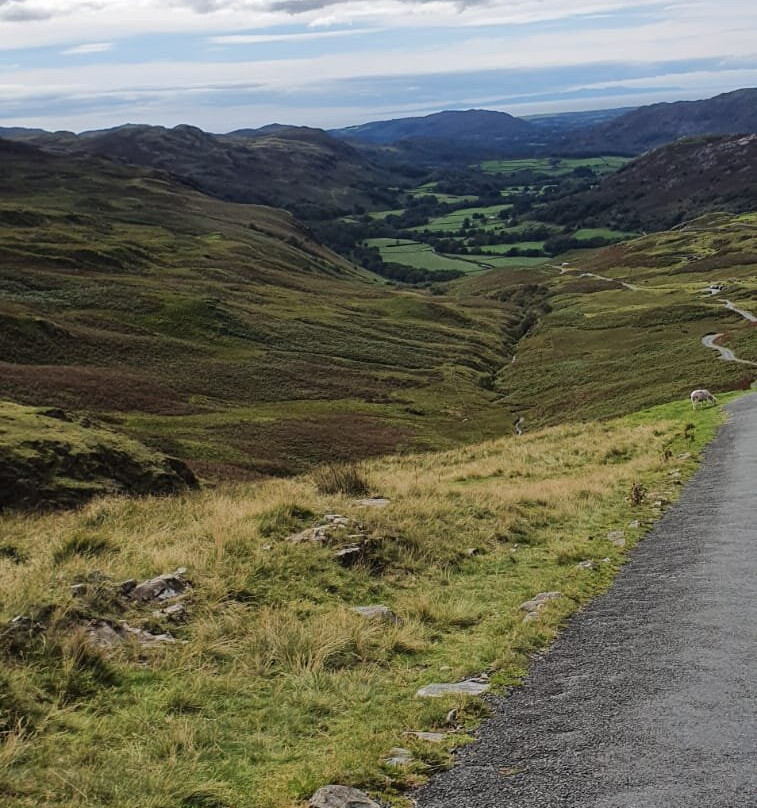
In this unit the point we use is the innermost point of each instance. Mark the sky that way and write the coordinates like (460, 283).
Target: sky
(230, 64)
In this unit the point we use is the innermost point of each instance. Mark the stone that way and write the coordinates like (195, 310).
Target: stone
(587, 565)
(125, 588)
(399, 757)
(78, 590)
(374, 502)
(164, 587)
(104, 634)
(471, 552)
(341, 797)
(539, 601)
(429, 737)
(176, 612)
(615, 534)
(451, 718)
(635, 525)
(470, 687)
(350, 555)
(377, 612)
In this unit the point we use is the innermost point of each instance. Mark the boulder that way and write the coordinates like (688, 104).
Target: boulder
(429, 737)
(341, 797)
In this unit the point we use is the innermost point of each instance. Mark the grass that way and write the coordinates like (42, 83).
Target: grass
(276, 687)
(222, 333)
(557, 166)
(616, 349)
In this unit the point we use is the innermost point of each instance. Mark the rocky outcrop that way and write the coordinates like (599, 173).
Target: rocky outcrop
(50, 459)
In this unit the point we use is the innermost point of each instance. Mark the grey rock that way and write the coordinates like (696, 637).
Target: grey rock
(163, 587)
(350, 555)
(104, 634)
(429, 737)
(539, 601)
(125, 588)
(614, 535)
(377, 612)
(176, 612)
(451, 718)
(341, 797)
(470, 687)
(587, 565)
(635, 525)
(374, 502)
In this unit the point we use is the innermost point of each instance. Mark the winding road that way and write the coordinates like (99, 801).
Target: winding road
(649, 698)
(726, 354)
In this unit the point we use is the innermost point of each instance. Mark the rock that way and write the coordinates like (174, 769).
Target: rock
(539, 601)
(399, 757)
(341, 797)
(587, 565)
(377, 612)
(635, 525)
(145, 637)
(471, 552)
(105, 634)
(614, 535)
(451, 719)
(430, 737)
(102, 634)
(166, 586)
(350, 555)
(125, 588)
(176, 612)
(374, 502)
(78, 590)
(470, 687)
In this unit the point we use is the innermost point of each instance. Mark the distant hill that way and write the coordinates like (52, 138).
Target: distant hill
(647, 127)
(303, 170)
(668, 185)
(477, 125)
(224, 334)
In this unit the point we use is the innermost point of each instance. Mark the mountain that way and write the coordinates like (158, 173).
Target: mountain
(300, 169)
(477, 125)
(223, 334)
(668, 185)
(647, 127)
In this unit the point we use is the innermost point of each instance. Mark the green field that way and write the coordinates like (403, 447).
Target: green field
(556, 167)
(603, 232)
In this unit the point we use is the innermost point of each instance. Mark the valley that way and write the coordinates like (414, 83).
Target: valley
(295, 424)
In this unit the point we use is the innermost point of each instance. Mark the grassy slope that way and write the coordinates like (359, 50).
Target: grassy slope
(221, 333)
(606, 350)
(279, 688)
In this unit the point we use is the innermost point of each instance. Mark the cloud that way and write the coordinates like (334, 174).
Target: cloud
(91, 47)
(254, 39)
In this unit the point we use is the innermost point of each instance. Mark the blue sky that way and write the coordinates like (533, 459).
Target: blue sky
(227, 64)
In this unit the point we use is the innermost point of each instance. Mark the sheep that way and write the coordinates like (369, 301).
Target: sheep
(699, 396)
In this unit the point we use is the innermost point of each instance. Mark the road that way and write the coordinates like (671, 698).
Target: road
(649, 697)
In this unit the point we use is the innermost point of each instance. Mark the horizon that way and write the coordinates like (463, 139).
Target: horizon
(223, 65)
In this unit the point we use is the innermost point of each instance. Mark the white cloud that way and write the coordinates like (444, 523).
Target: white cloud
(90, 47)
(254, 39)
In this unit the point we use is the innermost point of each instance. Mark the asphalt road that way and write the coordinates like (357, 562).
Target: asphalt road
(649, 697)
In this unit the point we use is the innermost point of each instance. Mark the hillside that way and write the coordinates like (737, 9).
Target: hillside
(302, 170)
(205, 650)
(475, 125)
(645, 128)
(222, 333)
(667, 186)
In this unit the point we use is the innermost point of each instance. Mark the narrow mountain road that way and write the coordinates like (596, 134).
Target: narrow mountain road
(649, 698)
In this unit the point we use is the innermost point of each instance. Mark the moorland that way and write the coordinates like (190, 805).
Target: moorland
(330, 390)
